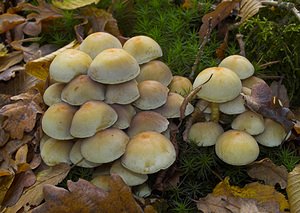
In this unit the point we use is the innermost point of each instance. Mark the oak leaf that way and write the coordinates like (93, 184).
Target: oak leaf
(84, 197)
(10, 72)
(72, 4)
(293, 185)
(10, 59)
(9, 21)
(270, 173)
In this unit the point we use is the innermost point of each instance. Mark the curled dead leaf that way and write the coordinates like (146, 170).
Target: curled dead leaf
(9, 21)
(72, 4)
(10, 59)
(293, 186)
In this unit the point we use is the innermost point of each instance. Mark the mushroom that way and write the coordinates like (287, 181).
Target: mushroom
(251, 81)
(236, 148)
(148, 152)
(52, 94)
(97, 42)
(125, 115)
(68, 64)
(239, 64)
(143, 48)
(105, 146)
(124, 93)
(92, 117)
(102, 181)
(181, 85)
(205, 133)
(77, 158)
(153, 94)
(54, 152)
(155, 70)
(82, 89)
(250, 122)
(147, 121)
(129, 177)
(113, 66)
(57, 119)
(142, 190)
(273, 134)
(219, 85)
(235, 106)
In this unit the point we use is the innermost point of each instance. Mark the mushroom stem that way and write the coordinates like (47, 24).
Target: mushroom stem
(215, 112)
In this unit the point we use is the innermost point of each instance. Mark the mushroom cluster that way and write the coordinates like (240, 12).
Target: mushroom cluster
(221, 93)
(111, 104)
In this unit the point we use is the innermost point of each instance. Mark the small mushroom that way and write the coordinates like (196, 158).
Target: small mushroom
(250, 122)
(152, 95)
(125, 115)
(129, 177)
(102, 181)
(105, 146)
(147, 121)
(52, 94)
(97, 42)
(142, 190)
(69, 64)
(233, 107)
(239, 64)
(205, 133)
(236, 148)
(143, 48)
(148, 152)
(155, 70)
(57, 119)
(82, 89)
(124, 93)
(181, 85)
(113, 66)
(92, 117)
(251, 81)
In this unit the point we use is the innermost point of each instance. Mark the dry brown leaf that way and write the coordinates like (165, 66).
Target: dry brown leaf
(10, 59)
(270, 173)
(10, 72)
(33, 195)
(280, 91)
(5, 183)
(72, 4)
(293, 192)
(249, 8)
(9, 21)
(84, 197)
(32, 28)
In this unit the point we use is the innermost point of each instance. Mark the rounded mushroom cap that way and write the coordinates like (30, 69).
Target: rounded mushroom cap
(147, 121)
(235, 106)
(251, 81)
(124, 93)
(250, 122)
(82, 89)
(205, 133)
(148, 152)
(273, 135)
(171, 109)
(113, 66)
(239, 64)
(155, 70)
(102, 181)
(55, 152)
(142, 190)
(97, 42)
(68, 64)
(143, 48)
(77, 158)
(224, 84)
(129, 177)
(52, 94)
(125, 115)
(152, 95)
(92, 117)
(57, 119)
(181, 85)
(236, 148)
(105, 146)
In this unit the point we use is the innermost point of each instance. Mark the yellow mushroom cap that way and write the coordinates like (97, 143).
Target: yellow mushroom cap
(224, 84)
(57, 119)
(148, 152)
(97, 42)
(251, 81)
(52, 94)
(239, 64)
(105, 146)
(125, 115)
(235, 106)
(143, 48)
(250, 122)
(102, 181)
(181, 85)
(113, 66)
(91, 117)
(68, 64)
(236, 148)
(82, 89)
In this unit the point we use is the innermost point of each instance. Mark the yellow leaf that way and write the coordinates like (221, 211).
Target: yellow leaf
(72, 4)
(260, 192)
(293, 185)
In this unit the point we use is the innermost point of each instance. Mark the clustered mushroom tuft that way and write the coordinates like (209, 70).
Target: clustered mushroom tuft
(110, 108)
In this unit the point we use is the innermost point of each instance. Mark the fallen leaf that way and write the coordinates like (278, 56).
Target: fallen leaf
(10, 59)
(32, 28)
(270, 173)
(260, 192)
(33, 195)
(249, 8)
(21, 159)
(5, 183)
(293, 186)
(3, 50)
(10, 72)
(21, 116)
(280, 91)
(84, 197)
(72, 4)
(9, 21)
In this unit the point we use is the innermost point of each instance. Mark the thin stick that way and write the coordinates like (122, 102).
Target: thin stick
(239, 38)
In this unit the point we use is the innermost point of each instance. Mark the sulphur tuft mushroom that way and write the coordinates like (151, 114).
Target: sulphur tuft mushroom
(181, 85)
(250, 122)
(52, 94)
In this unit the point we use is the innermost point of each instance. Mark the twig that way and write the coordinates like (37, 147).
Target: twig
(239, 38)
(265, 65)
